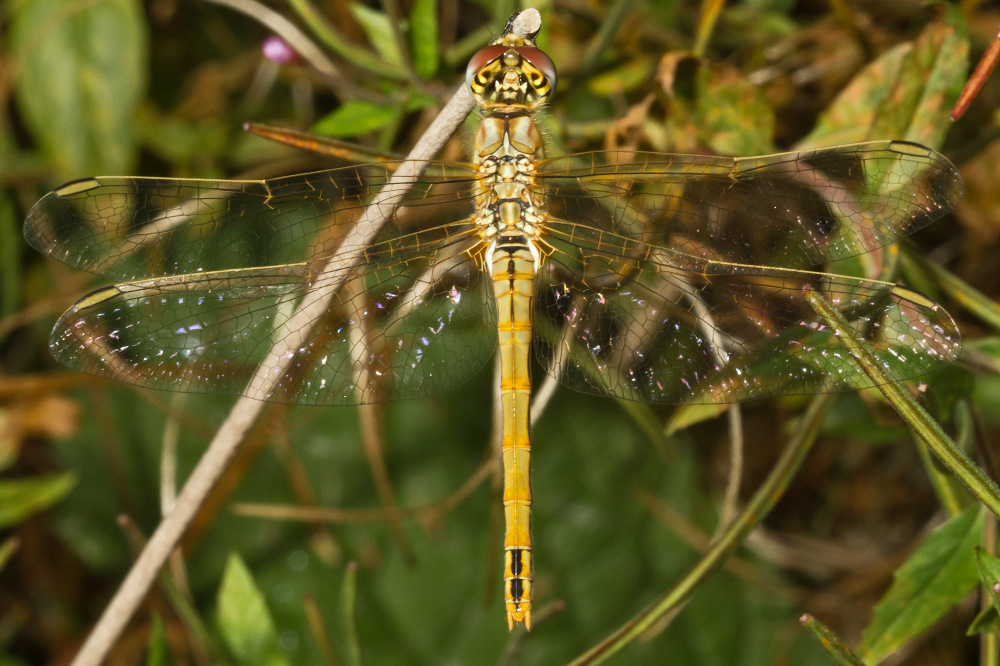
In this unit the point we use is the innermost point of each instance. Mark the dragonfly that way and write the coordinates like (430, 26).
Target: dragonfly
(644, 276)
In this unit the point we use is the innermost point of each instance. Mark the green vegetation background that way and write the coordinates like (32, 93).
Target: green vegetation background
(622, 510)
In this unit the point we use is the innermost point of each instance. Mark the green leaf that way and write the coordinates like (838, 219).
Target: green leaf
(378, 27)
(939, 574)
(718, 106)
(354, 118)
(424, 37)
(243, 619)
(686, 416)
(988, 620)
(989, 574)
(905, 94)
(20, 498)
(81, 71)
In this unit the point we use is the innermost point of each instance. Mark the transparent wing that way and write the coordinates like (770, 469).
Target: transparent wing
(210, 272)
(621, 317)
(791, 210)
(414, 320)
(132, 228)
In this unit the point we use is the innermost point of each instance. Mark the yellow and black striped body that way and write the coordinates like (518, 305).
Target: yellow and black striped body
(509, 87)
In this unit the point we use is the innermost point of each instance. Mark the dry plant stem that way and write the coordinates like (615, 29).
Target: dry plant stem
(978, 79)
(168, 455)
(706, 326)
(168, 485)
(698, 540)
(540, 400)
(321, 541)
(370, 418)
(200, 643)
(246, 410)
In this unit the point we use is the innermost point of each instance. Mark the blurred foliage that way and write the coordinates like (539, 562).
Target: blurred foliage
(621, 511)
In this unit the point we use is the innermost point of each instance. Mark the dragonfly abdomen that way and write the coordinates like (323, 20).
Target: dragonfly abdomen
(513, 272)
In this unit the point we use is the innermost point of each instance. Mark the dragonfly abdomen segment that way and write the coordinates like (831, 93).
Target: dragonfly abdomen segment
(513, 272)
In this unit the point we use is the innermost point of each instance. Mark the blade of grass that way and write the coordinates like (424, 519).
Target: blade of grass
(709, 16)
(970, 298)
(609, 27)
(830, 642)
(348, 598)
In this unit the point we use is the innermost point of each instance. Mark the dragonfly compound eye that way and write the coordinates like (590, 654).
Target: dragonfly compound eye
(483, 65)
(542, 65)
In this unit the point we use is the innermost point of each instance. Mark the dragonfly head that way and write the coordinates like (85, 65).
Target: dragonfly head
(511, 70)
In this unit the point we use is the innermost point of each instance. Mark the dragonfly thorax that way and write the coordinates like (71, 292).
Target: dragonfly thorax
(507, 146)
